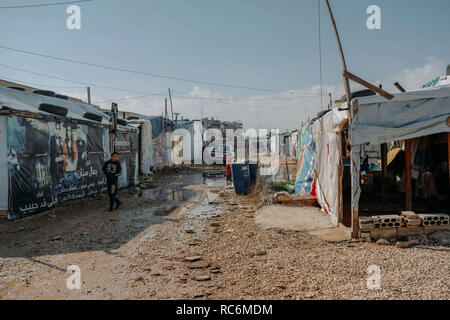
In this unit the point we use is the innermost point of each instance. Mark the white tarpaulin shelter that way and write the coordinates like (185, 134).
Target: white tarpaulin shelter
(408, 115)
(146, 144)
(327, 136)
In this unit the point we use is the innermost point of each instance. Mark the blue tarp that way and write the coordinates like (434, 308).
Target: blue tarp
(306, 161)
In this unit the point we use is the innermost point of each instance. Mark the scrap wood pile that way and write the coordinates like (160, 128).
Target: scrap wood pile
(298, 200)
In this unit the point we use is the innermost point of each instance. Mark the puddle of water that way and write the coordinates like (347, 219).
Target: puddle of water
(205, 209)
(181, 194)
(216, 182)
(170, 194)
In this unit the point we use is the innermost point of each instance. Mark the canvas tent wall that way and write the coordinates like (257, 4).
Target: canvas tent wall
(126, 144)
(285, 144)
(306, 161)
(51, 158)
(408, 115)
(195, 130)
(146, 163)
(320, 160)
(162, 143)
(294, 144)
(327, 135)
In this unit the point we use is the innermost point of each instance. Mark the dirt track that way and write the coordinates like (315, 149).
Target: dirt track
(140, 251)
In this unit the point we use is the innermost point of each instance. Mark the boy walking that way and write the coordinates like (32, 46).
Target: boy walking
(112, 170)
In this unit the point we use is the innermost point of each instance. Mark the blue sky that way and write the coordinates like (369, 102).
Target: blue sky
(254, 43)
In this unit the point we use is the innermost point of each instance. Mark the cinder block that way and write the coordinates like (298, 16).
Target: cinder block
(383, 233)
(431, 229)
(408, 231)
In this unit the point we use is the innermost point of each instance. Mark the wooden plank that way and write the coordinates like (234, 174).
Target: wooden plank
(448, 156)
(399, 87)
(408, 188)
(22, 114)
(384, 170)
(366, 84)
(340, 194)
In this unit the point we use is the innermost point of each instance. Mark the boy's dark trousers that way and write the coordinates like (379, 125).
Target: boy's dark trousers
(112, 193)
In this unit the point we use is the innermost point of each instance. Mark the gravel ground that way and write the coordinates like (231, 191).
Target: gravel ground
(247, 262)
(208, 247)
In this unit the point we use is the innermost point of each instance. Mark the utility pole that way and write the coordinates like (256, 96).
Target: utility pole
(89, 94)
(344, 65)
(171, 106)
(165, 115)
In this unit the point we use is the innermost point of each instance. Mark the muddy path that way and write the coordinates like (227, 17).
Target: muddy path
(35, 252)
(188, 237)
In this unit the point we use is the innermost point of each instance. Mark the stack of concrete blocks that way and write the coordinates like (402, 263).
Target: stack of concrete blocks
(390, 221)
(367, 223)
(392, 227)
(411, 219)
(435, 219)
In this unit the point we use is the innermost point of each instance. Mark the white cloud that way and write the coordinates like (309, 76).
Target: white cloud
(284, 110)
(412, 79)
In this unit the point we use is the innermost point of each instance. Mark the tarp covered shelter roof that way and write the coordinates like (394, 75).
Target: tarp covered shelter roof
(408, 115)
(29, 102)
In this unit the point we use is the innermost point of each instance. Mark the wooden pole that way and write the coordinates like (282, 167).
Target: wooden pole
(341, 51)
(399, 87)
(366, 84)
(448, 157)
(171, 106)
(384, 169)
(408, 187)
(355, 167)
(165, 116)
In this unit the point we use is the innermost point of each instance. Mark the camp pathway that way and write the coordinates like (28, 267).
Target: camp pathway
(188, 237)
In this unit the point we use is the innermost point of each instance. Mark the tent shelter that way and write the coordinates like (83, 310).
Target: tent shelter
(126, 144)
(145, 144)
(405, 121)
(52, 151)
(195, 129)
(320, 161)
(162, 144)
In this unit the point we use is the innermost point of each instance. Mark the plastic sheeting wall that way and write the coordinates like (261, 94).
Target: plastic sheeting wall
(147, 147)
(327, 137)
(409, 115)
(50, 162)
(306, 162)
(126, 144)
(294, 142)
(160, 151)
(3, 165)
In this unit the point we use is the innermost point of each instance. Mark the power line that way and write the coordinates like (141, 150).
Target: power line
(146, 94)
(134, 71)
(132, 98)
(38, 84)
(304, 96)
(73, 81)
(44, 4)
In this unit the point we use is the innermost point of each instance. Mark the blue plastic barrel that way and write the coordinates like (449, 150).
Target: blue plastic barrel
(241, 177)
(253, 167)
